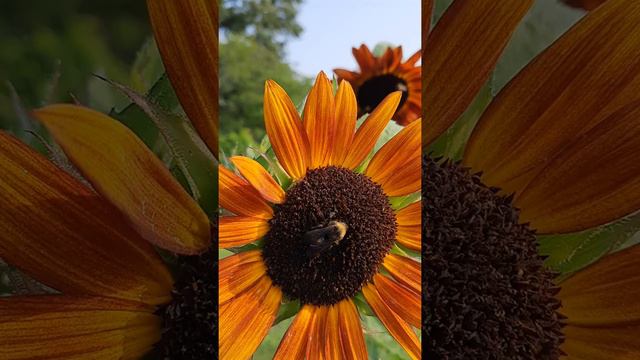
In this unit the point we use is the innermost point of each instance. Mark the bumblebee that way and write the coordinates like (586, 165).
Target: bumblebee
(322, 238)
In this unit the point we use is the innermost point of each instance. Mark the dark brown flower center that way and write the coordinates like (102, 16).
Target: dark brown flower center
(375, 89)
(190, 321)
(329, 237)
(487, 294)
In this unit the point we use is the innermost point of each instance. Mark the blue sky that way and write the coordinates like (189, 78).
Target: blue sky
(332, 27)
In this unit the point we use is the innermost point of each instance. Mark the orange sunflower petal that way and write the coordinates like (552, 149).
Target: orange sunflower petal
(286, 133)
(365, 58)
(294, 342)
(187, 36)
(68, 327)
(410, 214)
(346, 116)
(317, 334)
(58, 231)
(605, 293)
(406, 271)
(591, 182)
(619, 342)
(351, 335)
(124, 171)
(246, 320)
(259, 178)
(400, 299)
(410, 236)
(460, 55)
(601, 303)
(581, 80)
(368, 133)
(238, 273)
(398, 328)
(347, 75)
(320, 122)
(240, 230)
(387, 167)
(239, 197)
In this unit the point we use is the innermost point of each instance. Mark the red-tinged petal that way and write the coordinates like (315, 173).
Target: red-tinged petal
(186, 32)
(364, 57)
(605, 293)
(124, 171)
(284, 128)
(317, 335)
(68, 327)
(320, 122)
(460, 55)
(240, 197)
(389, 165)
(294, 342)
(346, 116)
(56, 230)
(587, 75)
(238, 273)
(410, 214)
(410, 236)
(427, 14)
(246, 320)
(368, 133)
(259, 178)
(400, 299)
(591, 182)
(236, 231)
(347, 75)
(398, 328)
(406, 271)
(351, 335)
(619, 342)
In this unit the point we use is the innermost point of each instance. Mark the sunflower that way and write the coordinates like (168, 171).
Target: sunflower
(93, 239)
(328, 236)
(380, 76)
(555, 152)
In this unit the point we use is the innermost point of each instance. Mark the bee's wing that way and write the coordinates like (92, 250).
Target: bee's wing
(314, 250)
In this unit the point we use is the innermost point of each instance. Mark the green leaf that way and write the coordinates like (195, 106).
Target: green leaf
(287, 311)
(572, 252)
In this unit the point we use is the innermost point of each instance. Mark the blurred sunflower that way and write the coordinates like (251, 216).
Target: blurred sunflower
(328, 236)
(379, 76)
(91, 240)
(563, 138)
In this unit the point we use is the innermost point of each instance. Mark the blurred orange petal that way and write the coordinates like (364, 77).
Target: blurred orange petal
(398, 328)
(320, 123)
(240, 197)
(397, 165)
(240, 230)
(460, 55)
(259, 178)
(285, 130)
(238, 273)
(246, 320)
(68, 327)
(368, 133)
(64, 235)
(124, 171)
(186, 32)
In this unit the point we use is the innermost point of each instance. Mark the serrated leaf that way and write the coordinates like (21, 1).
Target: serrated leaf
(572, 252)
